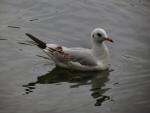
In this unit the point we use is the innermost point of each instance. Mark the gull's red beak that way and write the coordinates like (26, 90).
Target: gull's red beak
(109, 39)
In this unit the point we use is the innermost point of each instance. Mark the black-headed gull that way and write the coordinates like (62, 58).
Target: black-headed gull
(96, 58)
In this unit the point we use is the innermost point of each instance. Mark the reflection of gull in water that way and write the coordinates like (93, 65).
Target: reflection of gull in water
(96, 58)
(57, 76)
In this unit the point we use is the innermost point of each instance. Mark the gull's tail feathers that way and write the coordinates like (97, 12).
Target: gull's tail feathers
(40, 43)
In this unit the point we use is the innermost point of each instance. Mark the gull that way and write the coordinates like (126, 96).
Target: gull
(96, 58)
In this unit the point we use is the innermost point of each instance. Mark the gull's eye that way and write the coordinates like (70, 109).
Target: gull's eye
(98, 34)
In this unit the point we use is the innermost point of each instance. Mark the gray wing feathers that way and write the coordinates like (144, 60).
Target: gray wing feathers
(82, 57)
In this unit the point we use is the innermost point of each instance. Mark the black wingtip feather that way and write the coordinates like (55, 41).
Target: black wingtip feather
(40, 43)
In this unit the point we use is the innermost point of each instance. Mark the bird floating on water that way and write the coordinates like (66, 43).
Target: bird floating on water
(94, 59)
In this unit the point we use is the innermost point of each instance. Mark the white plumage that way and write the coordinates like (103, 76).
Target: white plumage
(94, 59)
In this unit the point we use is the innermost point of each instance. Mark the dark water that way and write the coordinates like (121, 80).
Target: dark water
(29, 83)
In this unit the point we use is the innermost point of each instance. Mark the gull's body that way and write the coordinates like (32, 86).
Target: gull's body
(96, 58)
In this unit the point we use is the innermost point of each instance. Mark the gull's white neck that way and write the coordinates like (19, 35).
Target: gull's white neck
(100, 51)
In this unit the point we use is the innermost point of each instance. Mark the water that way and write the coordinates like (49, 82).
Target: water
(29, 83)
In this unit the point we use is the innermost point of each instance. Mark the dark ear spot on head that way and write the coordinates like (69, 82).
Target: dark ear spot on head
(93, 35)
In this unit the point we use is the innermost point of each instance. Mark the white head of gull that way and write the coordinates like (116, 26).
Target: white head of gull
(94, 59)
